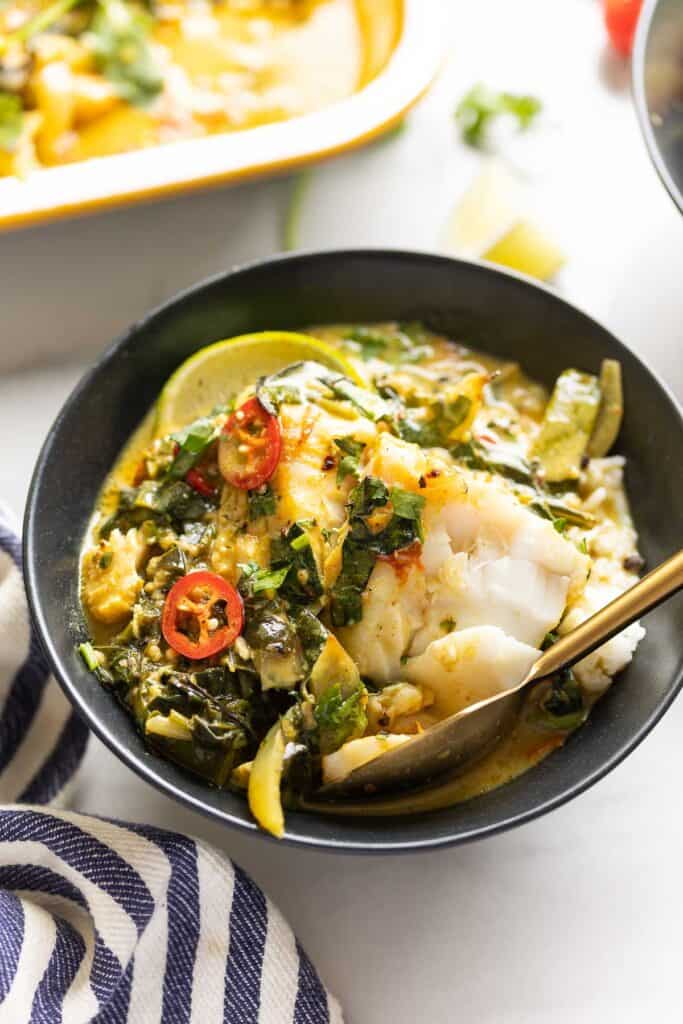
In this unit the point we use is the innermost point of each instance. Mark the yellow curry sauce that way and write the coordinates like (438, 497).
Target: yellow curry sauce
(505, 418)
(87, 78)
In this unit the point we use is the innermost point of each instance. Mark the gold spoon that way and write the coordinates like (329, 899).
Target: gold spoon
(453, 744)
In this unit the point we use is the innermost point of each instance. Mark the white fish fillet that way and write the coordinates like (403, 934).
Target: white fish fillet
(487, 560)
(470, 665)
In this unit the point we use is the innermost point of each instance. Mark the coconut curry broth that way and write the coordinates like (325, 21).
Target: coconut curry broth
(113, 75)
(416, 367)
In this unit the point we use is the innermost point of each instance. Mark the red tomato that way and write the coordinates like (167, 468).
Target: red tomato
(250, 446)
(621, 19)
(190, 605)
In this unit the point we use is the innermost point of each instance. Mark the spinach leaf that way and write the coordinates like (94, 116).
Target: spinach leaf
(405, 344)
(292, 551)
(349, 464)
(119, 38)
(358, 561)
(11, 121)
(362, 544)
(312, 635)
(261, 502)
(494, 458)
(369, 494)
(434, 429)
(406, 504)
(339, 719)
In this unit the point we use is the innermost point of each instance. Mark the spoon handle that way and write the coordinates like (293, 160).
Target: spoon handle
(654, 588)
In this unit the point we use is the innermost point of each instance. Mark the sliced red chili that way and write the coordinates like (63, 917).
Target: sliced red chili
(200, 484)
(191, 605)
(250, 446)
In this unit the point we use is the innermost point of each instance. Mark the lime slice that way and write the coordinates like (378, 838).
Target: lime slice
(220, 371)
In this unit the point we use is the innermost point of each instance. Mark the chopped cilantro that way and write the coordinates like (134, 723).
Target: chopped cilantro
(261, 502)
(192, 442)
(11, 121)
(433, 429)
(349, 464)
(481, 105)
(339, 718)
(119, 38)
(255, 580)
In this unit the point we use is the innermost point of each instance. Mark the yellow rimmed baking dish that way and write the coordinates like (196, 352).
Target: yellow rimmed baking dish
(104, 182)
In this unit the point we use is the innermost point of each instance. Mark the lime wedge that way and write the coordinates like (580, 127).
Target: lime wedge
(490, 222)
(220, 371)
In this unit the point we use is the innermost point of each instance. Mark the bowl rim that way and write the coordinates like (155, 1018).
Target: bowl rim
(147, 770)
(640, 100)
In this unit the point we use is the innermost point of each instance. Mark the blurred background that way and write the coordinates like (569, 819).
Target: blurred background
(574, 915)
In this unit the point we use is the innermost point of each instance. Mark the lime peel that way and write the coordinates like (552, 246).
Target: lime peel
(218, 372)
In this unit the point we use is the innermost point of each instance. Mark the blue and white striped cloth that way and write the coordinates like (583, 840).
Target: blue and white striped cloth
(112, 922)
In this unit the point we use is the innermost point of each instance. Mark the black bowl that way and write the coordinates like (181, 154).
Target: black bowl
(658, 89)
(489, 308)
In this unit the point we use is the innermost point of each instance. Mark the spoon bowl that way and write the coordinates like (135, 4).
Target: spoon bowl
(455, 743)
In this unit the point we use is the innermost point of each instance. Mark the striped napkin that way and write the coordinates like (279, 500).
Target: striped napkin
(113, 922)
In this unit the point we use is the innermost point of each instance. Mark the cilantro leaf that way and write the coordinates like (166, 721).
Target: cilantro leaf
(11, 121)
(433, 429)
(255, 580)
(404, 344)
(261, 502)
(339, 719)
(119, 38)
(349, 464)
(192, 443)
(482, 105)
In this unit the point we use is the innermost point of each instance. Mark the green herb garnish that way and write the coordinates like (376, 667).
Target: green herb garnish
(349, 464)
(339, 719)
(261, 502)
(256, 580)
(481, 105)
(11, 121)
(193, 442)
(119, 37)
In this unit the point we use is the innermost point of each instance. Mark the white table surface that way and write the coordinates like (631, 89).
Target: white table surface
(576, 917)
